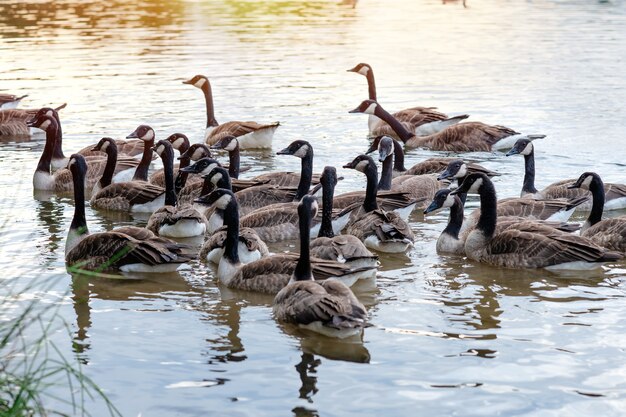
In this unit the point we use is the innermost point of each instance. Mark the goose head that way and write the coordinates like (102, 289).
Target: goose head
(228, 143)
(143, 132)
(361, 163)
(202, 167)
(472, 184)
(77, 165)
(104, 144)
(374, 144)
(442, 199)
(298, 148)
(308, 206)
(585, 180)
(220, 198)
(329, 176)
(196, 152)
(179, 141)
(362, 69)
(216, 175)
(198, 81)
(43, 122)
(367, 107)
(47, 111)
(455, 169)
(523, 146)
(385, 148)
(163, 148)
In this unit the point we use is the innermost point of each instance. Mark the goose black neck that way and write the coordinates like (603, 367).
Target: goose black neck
(397, 127)
(109, 169)
(371, 84)
(455, 221)
(58, 149)
(462, 196)
(306, 175)
(529, 174)
(387, 174)
(233, 160)
(141, 173)
(488, 209)
(326, 228)
(168, 167)
(46, 157)
(79, 221)
(370, 203)
(597, 207)
(398, 157)
(181, 177)
(303, 267)
(231, 220)
(208, 98)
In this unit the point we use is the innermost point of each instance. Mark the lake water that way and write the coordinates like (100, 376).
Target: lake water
(449, 337)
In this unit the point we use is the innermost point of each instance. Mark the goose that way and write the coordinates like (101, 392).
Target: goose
(128, 249)
(267, 275)
(180, 142)
(553, 210)
(328, 307)
(462, 137)
(452, 238)
(61, 180)
(109, 176)
(615, 194)
(423, 120)
(250, 134)
(10, 101)
(173, 220)
(196, 152)
(429, 166)
(230, 144)
(341, 248)
(608, 233)
(16, 122)
(384, 231)
(522, 247)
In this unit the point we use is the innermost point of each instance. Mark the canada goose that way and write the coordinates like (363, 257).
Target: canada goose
(462, 137)
(341, 248)
(172, 220)
(122, 249)
(608, 233)
(10, 101)
(521, 247)
(61, 180)
(423, 120)
(381, 230)
(327, 307)
(196, 152)
(615, 194)
(553, 210)
(251, 246)
(109, 147)
(146, 134)
(452, 238)
(180, 142)
(17, 122)
(250, 134)
(282, 179)
(267, 275)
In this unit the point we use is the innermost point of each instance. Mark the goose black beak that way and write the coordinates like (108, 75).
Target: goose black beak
(444, 175)
(285, 151)
(133, 135)
(432, 207)
(513, 151)
(187, 82)
(355, 110)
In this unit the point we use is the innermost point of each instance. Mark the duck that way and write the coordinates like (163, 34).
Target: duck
(180, 142)
(608, 233)
(384, 231)
(452, 238)
(328, 307)
(559, 210)
(270, 274)
(61, 179)
(10, 101)
(615, 194)
(522, 247)
(251, 134)
(328, 245)
(128, 249)
(423, 120)
(461, 137)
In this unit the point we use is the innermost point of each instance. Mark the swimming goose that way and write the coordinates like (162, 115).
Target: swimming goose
(341, 248)
(328, 307)
(172, 220)
(16, 122)
(423, 120)
(128, 249)
(522, 247)
(608, 233)
(381, 230)
(462, 137)
(61, 180)
(615, 194)
(250, 134)
(109, 147)
(267, 275)
(10, 101)
(452, 238)
(180, 142)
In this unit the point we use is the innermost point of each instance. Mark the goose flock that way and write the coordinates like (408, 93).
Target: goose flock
(237, 215)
